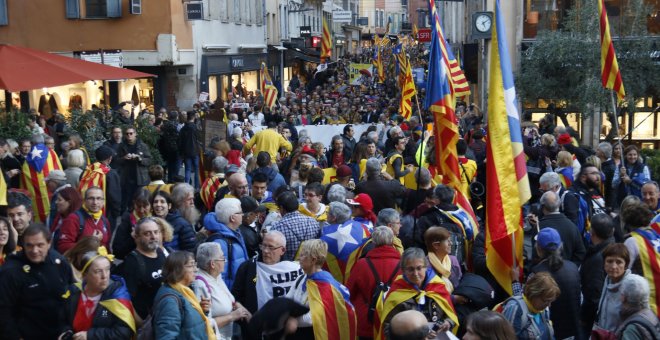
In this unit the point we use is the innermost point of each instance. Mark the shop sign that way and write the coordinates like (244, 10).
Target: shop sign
(194, 11)
(424, 35)
(110, 57)
(342, 16)
(237, 62)
(305, 31)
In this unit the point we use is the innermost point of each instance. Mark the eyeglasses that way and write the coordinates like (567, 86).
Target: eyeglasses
(269, 248)
(191, 265)
(222, 259)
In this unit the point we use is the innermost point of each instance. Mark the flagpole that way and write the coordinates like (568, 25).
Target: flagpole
(616, 118)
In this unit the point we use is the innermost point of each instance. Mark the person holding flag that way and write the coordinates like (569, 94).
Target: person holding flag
(331, 315)
(326, 43)
(267, 88)
(100, 307)
(38, 164)
(99, 174)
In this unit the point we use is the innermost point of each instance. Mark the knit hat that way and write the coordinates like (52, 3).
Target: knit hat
(564, 139)
(548, 239)
(104, 152)
(344, 171)
(56, 175)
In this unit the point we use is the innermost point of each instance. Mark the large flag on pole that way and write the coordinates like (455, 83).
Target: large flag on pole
(507, 184)
(34, 172)
(440, 100)
(268, 90)
(408, 90)
(609, 67)
(326, 42)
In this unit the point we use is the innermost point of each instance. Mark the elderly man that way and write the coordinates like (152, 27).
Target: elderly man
(387, 191)
(222, 226)
(90, 221)
(142, 268)
(390, 218)
(408, 325)
(344, 237)
(33, 285)
(650, 195)
(573, 246)
(570, 205)
(639, 320)
(265, 277)
(295, 226)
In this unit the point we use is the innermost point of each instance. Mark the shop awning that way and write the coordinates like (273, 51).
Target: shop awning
(299, 54)
(23, 69)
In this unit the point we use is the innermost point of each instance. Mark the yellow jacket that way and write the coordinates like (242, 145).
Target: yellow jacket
(267, 140)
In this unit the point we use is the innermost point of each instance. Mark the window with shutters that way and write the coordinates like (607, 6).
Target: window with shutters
(93, 9)
(4, 16)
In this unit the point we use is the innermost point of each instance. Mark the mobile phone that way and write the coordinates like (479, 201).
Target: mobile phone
(436, 327)
(245, 121)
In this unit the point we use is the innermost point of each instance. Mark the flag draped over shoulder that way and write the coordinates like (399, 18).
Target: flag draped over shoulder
(119, 304)
(402, 290)
(208, 190)
(440, 100)
(34, 171)
(648, 243)
(268, 90)
(93, 176)
(326, 42)
(609, 67)
(507, 183)
(333, 315)
(344, 242)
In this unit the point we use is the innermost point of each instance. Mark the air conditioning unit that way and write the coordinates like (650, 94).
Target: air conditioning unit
(136, 7)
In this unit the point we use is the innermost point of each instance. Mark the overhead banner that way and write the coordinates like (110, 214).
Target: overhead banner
(358, 73)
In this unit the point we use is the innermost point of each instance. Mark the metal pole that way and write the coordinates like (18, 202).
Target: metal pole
(616, 119)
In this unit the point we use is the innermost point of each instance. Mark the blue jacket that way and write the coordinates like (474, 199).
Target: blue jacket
(275, 179)
(174, 319)
(184, 234)
(222, 235)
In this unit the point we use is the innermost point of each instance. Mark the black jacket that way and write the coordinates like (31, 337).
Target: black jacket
(570, 205)
(105, 324)
(32, 297)
(188, 141)
(592, 277)
(142, 165)
(244, 288)
(565, 311)
(383, 193)
(573, 246)
(122, 240)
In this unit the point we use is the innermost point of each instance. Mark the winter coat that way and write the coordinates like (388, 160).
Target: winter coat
(592, 276)
(221, 234)
(361, 283)
(573, 246)
(142, 164)
(174, 319)
(70, 230)
(184, 234)
(188, 142)
(275, 179)
(105, 324)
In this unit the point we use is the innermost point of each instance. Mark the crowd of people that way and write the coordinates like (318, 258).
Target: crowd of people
(252, 237)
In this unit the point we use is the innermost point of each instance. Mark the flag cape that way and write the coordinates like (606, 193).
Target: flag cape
(326, 42)
(268, 90)
(34, 171)
(609, 67)
(344, 242)
(53, 161)
(119, 304)
(208, 190)
(93, 176)
(333, 315)
(402, 290)
(566, 176)
(648, 243)
(507, 184)
(441, 100)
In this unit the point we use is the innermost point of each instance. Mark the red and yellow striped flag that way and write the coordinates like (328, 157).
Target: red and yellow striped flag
(408, 90)
(507, 184)
(609, 67)
(326, 42)
(415, 32)
(208, 190)
(93, 176)
(35, 169)
(333, 315)
(3, 190)
(648, 240)
(268, 90)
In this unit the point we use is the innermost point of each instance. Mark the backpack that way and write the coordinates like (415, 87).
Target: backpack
(583, 223)
(146, 332)
(57, 233)
(380, 290)
(521, 304)
(229, 256)
(168, 141)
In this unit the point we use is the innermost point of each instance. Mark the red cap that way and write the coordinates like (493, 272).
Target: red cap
(564, 139)
(363, 200)
(344, 171)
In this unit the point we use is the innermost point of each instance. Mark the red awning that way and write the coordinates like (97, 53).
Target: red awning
(23, 69)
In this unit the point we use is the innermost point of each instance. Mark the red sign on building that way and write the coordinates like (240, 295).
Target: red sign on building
(424, 35)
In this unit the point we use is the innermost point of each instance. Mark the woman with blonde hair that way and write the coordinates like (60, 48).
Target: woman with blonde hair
(75, 163)
(565, 168)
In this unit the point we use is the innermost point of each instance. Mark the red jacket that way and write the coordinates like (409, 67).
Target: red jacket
(70, 230)
(362, 283)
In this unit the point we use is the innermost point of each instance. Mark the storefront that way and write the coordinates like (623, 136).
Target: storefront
(221, 74)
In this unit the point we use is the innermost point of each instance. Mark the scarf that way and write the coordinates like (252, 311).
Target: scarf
(530, 307)
(189, 295)
(96, 216)
(443, 267)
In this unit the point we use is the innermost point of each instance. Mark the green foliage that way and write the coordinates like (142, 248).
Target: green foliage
(565, 64)
(86, 125)
(149, 135)
(14, 125)
(652, 158)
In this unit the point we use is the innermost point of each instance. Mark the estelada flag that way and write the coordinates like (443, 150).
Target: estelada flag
(402, 290)
(35, 169)
(333, 315)
(507, 184)
(648, 243)
(344, 242)
(119, 304)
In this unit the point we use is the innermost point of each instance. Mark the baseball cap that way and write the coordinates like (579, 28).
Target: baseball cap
(548, 239)
(564, 139)
(362, 200)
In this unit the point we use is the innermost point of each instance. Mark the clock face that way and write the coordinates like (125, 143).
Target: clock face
(483, 23)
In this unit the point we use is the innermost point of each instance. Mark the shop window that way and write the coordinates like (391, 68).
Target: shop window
(4, 18)
(93, 9)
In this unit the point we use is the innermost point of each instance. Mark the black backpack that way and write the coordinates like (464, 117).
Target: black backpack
(380, 290)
